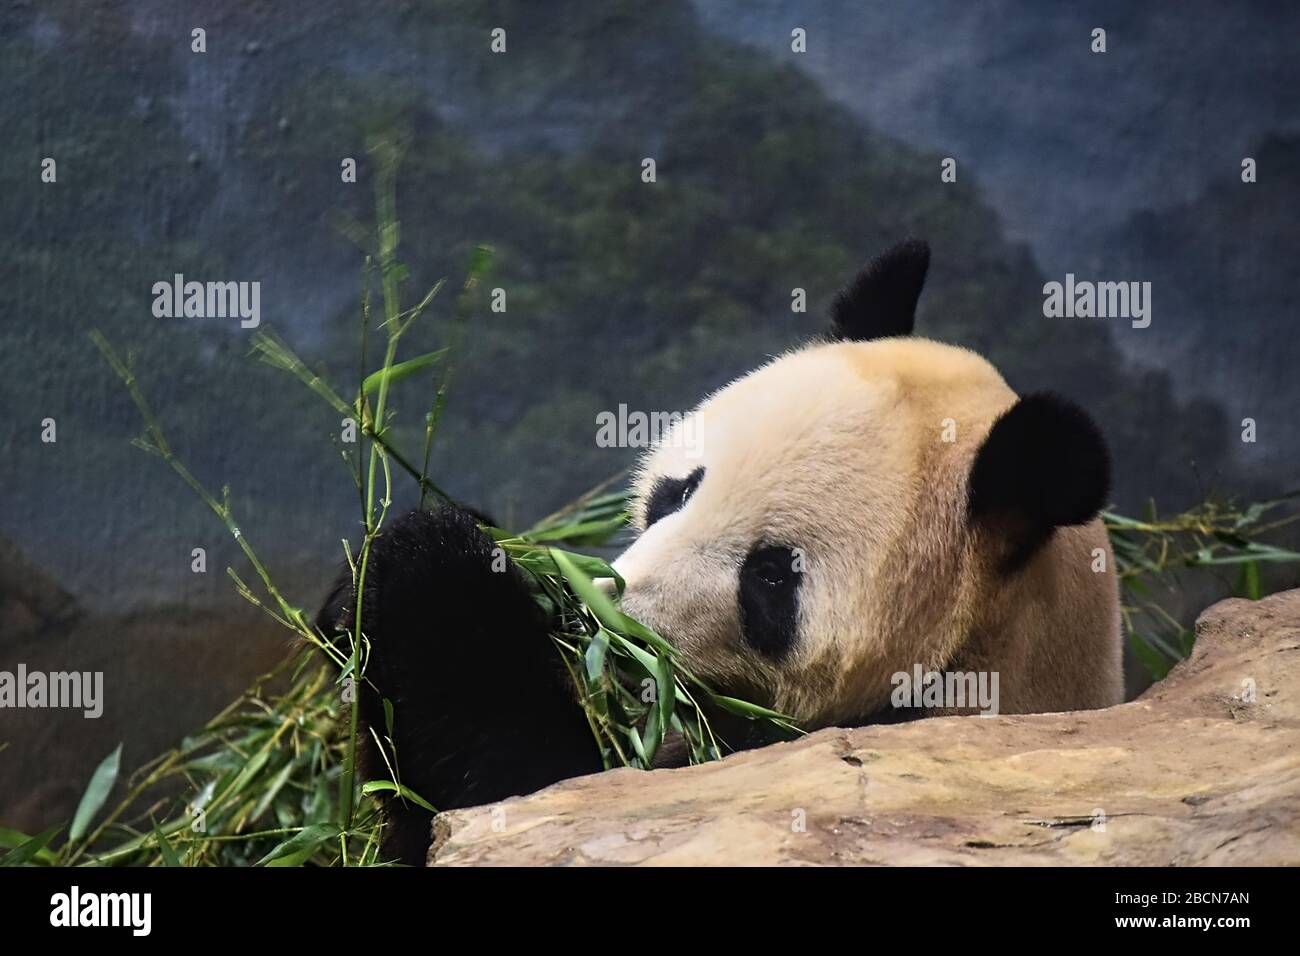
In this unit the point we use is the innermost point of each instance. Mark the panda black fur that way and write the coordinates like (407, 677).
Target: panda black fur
(979, 550)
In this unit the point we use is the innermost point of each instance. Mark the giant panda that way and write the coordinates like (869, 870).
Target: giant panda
(856, 507)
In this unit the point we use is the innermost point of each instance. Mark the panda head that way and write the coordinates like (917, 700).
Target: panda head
(852, 508)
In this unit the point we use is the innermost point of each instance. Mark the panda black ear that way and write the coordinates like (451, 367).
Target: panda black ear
(1044, 464)
(881, 300)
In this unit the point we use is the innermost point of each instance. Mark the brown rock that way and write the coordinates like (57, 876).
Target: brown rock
(1195, 771)
(166, 671)
(30, 600)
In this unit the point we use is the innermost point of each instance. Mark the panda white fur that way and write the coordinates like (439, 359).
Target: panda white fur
(850, 510)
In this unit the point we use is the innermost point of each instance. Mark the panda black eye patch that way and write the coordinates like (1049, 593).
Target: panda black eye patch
(769, 599)
(670, 494)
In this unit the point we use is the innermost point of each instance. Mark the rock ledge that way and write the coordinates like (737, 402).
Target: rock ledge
(1195, 771)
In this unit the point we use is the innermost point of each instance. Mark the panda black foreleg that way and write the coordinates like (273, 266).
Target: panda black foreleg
(482, 706)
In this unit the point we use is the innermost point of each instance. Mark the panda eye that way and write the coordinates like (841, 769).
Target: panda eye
(771, 566)
(770, 577)
(770, 573)
(671, 494)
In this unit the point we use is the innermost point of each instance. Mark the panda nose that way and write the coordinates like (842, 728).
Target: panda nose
(608, 586)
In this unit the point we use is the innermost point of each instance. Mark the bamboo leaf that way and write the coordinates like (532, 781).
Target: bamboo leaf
(1155, 662)
(378, 786)
(1248, 585)
(34, 848)
(395, 373)
(594, 658)
(101, 782)
(584, 533)
(296, 849)
(165, 848)
(9, 839)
